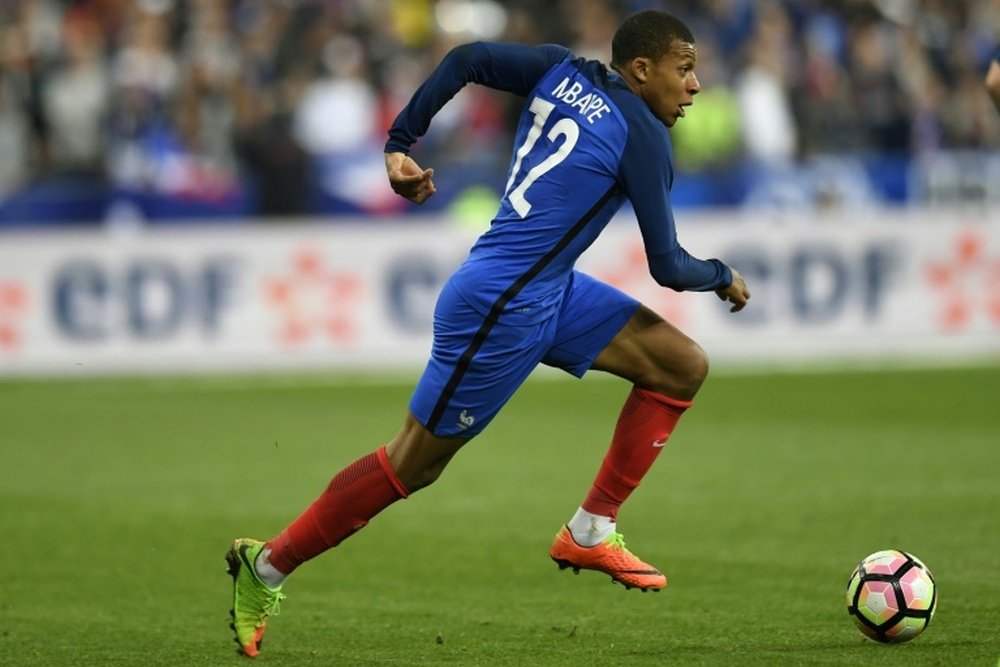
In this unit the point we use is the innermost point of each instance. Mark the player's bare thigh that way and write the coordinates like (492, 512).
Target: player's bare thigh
(656, 355)
(418, 456)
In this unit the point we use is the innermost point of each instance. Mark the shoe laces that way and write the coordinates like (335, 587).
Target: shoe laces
(616, 541)
(271, 602)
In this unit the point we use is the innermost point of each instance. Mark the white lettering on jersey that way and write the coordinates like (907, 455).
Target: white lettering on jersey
(591, 105)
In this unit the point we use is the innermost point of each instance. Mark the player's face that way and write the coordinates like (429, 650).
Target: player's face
(671, 83)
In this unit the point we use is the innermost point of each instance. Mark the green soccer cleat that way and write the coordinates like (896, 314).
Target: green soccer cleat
(253, 601)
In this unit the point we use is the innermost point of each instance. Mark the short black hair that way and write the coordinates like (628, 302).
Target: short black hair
(647, 34)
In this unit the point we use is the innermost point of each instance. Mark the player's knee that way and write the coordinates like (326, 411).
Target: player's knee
(424, 477)
(696, 368)
(683, 377)
(418, 456)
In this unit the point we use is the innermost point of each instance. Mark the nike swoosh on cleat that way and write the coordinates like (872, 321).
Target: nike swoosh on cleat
(659, 443)
(246, 561)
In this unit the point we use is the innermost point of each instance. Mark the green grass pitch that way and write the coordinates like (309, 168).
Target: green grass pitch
(118, 500)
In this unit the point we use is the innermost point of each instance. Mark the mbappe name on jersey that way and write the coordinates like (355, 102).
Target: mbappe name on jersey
(590, 105)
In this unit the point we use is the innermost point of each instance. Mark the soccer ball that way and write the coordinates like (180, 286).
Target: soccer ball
(891, 596)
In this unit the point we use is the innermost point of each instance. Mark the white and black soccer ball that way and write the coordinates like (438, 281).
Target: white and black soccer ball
(891, 596)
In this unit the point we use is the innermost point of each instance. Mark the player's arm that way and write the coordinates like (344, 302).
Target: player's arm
(647, 173)
(514, 68)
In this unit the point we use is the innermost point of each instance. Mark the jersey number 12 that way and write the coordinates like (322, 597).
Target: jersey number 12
(566, 127)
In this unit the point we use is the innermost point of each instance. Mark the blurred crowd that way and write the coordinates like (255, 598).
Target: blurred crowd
(282, 105)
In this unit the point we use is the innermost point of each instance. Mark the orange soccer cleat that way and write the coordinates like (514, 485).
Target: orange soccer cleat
(610, 557)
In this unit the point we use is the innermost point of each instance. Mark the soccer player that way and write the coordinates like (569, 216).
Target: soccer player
(589, 138)
(993, 79)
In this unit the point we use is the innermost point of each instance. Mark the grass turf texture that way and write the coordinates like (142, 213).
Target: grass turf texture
(119, 498)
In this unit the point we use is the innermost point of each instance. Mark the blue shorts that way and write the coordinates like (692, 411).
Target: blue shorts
(475, 368)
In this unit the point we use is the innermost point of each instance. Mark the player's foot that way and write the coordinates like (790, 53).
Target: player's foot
(610, 557)
(253, 601)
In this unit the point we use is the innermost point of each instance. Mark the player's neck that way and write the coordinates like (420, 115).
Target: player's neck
(624, 78)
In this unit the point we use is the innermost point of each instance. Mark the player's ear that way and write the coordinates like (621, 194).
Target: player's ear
(639, 67)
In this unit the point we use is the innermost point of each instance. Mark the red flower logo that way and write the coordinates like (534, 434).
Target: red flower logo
(13, 306)
(312, 300)
(967, 282)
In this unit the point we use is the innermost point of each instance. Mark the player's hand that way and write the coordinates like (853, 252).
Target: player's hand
(737, 292)
(407, 179)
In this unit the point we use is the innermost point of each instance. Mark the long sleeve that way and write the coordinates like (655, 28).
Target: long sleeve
(646, 170)
(514, 68)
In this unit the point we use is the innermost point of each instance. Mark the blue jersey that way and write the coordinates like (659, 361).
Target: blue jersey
(585, 143)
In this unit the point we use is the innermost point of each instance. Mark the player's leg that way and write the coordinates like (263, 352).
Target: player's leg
(411, 461)
(656, 356)
(666, 369)
(459, 393)
(471, 374)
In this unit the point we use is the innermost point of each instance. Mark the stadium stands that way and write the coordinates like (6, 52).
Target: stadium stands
(245, 109)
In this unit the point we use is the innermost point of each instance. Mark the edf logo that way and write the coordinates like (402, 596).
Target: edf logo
(146, 299)
(817, 283)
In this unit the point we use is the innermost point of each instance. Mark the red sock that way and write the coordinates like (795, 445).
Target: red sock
(355, 494)
(646, 421)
